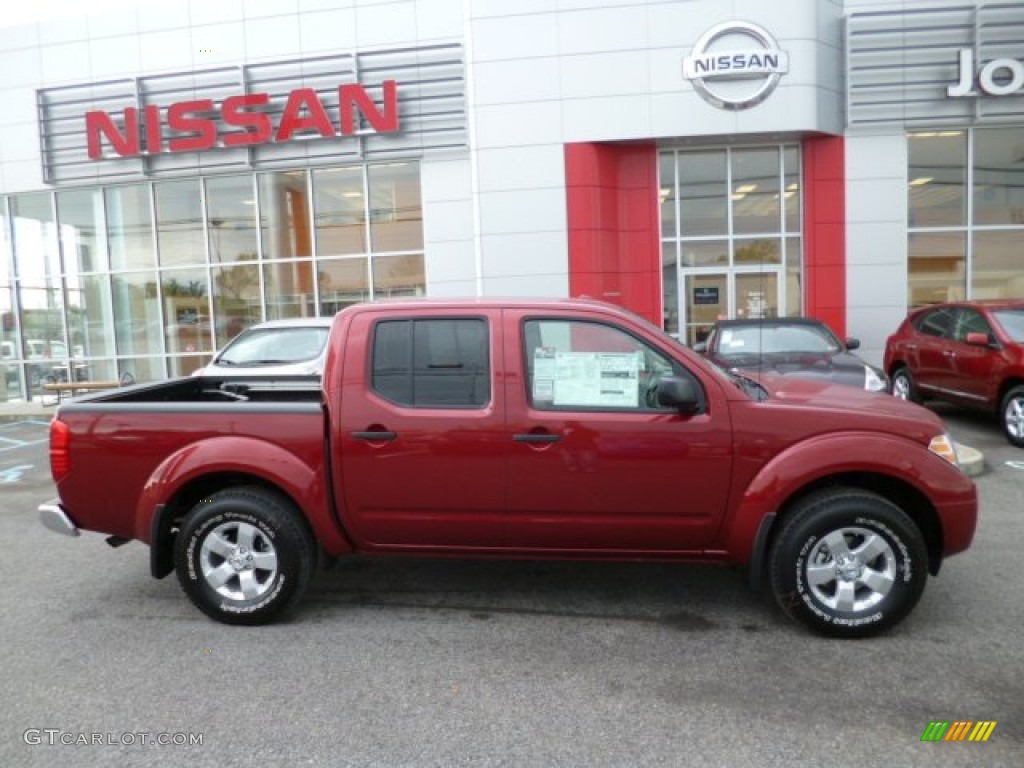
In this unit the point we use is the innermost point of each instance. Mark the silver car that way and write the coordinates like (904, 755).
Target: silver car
(294, 347)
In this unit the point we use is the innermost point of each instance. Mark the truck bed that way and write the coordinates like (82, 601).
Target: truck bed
(212, 389)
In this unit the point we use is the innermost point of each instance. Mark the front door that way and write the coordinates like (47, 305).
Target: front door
(595, 463)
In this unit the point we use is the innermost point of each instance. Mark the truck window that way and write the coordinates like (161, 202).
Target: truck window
(432, 363)
(575, 364)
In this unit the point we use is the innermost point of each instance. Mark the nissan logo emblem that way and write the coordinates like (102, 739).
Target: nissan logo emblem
(735, 65)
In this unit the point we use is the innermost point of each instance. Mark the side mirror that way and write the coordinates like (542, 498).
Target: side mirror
(852, 343)
(976, 339)
(701, 347)
(679, 393)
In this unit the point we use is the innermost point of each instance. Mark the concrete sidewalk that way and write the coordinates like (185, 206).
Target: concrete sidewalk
(972, 460)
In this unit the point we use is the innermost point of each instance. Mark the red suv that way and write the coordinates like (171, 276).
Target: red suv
(970, 353)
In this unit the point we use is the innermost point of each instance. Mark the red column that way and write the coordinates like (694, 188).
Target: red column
(824, 231)
(614, 243)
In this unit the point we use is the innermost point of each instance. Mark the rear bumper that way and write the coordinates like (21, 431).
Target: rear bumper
(53, 516)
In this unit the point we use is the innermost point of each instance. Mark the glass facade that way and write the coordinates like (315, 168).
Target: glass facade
(966, 215)
(730, 235)
(149, 279)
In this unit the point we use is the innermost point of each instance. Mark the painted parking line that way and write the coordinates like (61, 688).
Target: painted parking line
(13, 474)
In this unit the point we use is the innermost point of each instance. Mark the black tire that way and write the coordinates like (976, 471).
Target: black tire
(903, 386)
(1011, 416)
(244, 555)
(867, 588)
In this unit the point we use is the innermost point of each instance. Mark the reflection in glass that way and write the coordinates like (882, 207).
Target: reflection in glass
(6, 252)
(707, 300)
(755, 195)
(90, 316)
(396, 211)
(340, 215)
(236, 301)
(342, 282)
(762, 250)
(937, 177)
(130, 227)
(756, 295)
(794, 277)
(284, 215)
(188, 332)
(138, 327)
(137, 370)
(703, 195)
(395, 276)
(231, 215)
(704, 253)
(667, 194)
(996, 265)
(670, 306)
(37, 257)
(290, 290)
(791, 196)
(179, 223)
(937, 264)
(998, 176)
(82, 239)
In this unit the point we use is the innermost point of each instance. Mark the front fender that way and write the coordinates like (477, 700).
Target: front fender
(812, 461)
(269, 462)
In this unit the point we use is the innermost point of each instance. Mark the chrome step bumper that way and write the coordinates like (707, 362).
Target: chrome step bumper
(53, 516)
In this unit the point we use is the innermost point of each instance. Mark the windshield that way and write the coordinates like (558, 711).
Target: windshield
(274, 346)
(767, 339)
(1012, 321)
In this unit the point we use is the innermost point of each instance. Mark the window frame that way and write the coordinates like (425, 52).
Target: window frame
(678, 370)
(411, 322)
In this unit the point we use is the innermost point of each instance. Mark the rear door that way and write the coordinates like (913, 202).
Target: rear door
(596, 464)
(422, 439)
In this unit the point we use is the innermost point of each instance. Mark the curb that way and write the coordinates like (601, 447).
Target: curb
(972, 461)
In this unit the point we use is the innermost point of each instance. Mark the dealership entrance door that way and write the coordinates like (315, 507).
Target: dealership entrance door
(738, 293)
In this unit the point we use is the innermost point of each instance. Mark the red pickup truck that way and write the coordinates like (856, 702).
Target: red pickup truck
(527, 428)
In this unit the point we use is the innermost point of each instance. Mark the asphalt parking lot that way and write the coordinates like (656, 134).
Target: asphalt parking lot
(446, 663)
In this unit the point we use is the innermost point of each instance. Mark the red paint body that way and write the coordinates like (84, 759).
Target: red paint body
(644, 484)
(947, 367)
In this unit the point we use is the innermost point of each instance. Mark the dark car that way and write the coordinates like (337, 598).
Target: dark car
(791, 346)
(970, 353)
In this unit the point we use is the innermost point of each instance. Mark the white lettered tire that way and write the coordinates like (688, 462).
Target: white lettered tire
(848, 563)
(244, 555)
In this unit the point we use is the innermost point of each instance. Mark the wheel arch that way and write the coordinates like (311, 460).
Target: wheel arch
(1006, 386)
(899, 492)
(169, 516)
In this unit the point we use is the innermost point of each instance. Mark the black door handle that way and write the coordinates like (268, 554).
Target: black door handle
(536, 438)
(374, 435)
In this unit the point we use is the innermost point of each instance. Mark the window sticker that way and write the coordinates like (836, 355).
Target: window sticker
(597, 379)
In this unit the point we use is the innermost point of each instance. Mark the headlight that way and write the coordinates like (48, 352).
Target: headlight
(872, 381)
(942, 446)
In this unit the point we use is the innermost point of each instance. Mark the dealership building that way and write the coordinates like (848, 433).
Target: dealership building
(172, 174)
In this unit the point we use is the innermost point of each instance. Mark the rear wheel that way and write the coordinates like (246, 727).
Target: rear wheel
(848, 563)
(1011, 415)
(903, 386)
(244, 556)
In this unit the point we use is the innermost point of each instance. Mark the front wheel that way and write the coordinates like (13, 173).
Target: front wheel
(848, 563)
(1011, 414)
(903, 386)
(244, 556)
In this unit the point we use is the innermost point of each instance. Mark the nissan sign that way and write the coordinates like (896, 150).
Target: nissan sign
(735, 65)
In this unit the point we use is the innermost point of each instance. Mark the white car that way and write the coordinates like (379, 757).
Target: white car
(293, 347)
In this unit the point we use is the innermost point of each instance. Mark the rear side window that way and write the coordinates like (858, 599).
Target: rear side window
(441, 363)
(935, 323)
